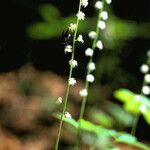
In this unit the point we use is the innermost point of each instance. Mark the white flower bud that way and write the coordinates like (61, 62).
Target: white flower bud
(59, 100)
(146, 90)
(83, 92)
(90, 78)
(147, 78)
(84, 3)
(101, 24)
(91, 66)
(99, 45)
(68, 115)
(143, 108)
(80, 39)
(104, 15)
(72, 81)
(89, 52)
(98, 5)
(92, 34)
(68, 49)
(80, 15)
(72, 27)
(144, 68)
(74, 63)
(108, 1)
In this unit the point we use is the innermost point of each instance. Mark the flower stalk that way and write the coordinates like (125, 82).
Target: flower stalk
(71, 81)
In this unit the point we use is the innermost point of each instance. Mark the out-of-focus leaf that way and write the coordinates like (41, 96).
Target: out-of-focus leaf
(124, 95)
(133, 102)
(99, 130)
(101, 118)
(49, 12)
(121, 116)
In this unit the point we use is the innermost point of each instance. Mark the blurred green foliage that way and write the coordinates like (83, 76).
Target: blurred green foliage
(117, 31)
(134, 102)
(99, 131)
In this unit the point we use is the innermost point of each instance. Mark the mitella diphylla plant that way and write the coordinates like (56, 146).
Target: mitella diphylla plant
(138, 103)
(70, 48)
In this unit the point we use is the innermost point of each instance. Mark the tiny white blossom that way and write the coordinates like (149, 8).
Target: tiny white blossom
(98, 5)
(99, 45)
(137, 98)
(146, 90)
(108, 1)
(92, 34)
(80, 39)
(144, 68)
(89, 52)
(90, 78)
(104, 15)
(143, 108)
(59, 100)
(68, 115)
(101, 24)
(83, 92)
(91, 66)
(72, 81)
(74, 63)
(147, 78)
(84, 3)
(68, 48)
(72, 27)
(80, 15)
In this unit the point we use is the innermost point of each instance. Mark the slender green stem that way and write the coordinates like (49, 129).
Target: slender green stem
(135, 123)
(68, 85)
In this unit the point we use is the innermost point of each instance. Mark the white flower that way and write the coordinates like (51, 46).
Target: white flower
(72, 27)
(146, 90)
(137, 97)
(91, 66)
(90, 78)
(92, 34)
(72, 81)
(74, 63)
(83, 92)
(80, 15)
(59, 100)
(99, 45)
(147, 78)
(68, 48)
(68, 115)
(98, 5)
(89, 52)
(101, 24)
(144, 68)
(108, 1)
(104, 15)
(80, 39)
(143, 108)
(84, 3)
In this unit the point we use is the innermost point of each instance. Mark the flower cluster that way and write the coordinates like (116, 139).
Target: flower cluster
(145, 70)
(101, 25)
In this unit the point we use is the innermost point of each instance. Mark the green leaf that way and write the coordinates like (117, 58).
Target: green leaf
(49, 12)
(127, 138)
(124, 95)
